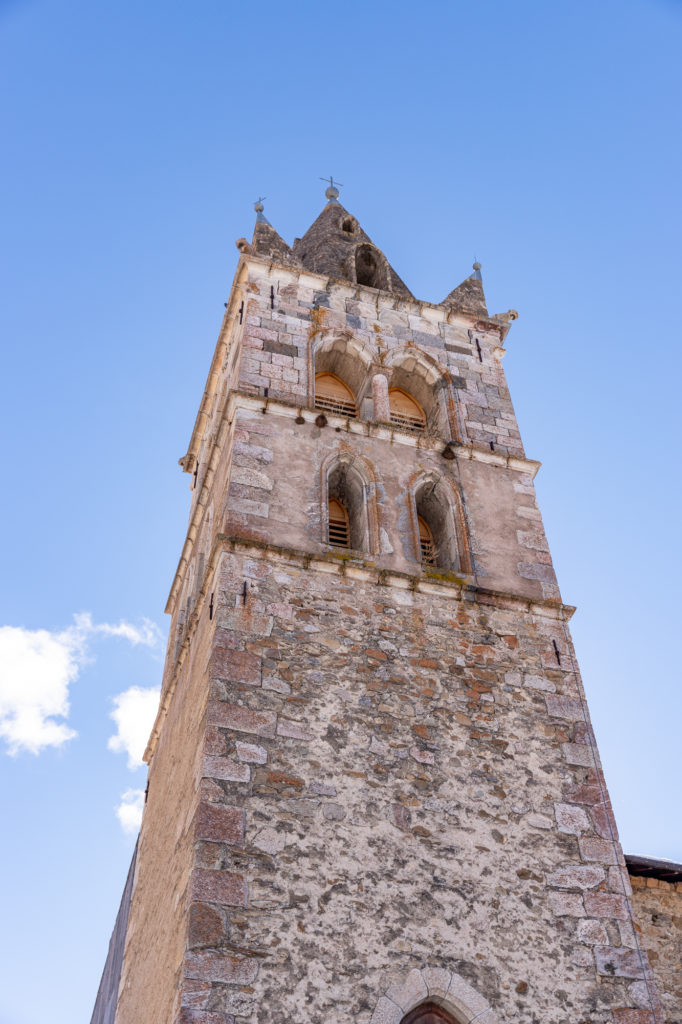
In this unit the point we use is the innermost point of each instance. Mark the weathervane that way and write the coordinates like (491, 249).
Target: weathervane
(332, 193)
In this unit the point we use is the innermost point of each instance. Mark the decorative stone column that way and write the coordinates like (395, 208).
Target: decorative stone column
(382, 411)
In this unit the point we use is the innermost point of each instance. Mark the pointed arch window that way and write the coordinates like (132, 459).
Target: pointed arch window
(426, 544)
(334, 396)
(405, 411)
(339, 524)
(428, 1013)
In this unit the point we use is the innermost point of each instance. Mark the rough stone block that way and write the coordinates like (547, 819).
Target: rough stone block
(627, 1015)
(195, 993)
(410, 992)
(188, 1016)
(567, 904)
(578, 753)
(206, 928)
(572, 819)
(593, 933)
(220, 824)
(208, 965)
(577, 876)
(466, 999)
(606, 904)
(251, 753)
(386, 1012)
(598, 849)
(565, 707)
(226, 769)
(242, 719)
(437, 981)
(219, 887)
(236, 667)
(292, 730)
(614, 961)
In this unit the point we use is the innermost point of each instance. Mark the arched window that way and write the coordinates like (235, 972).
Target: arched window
(440, 533)
(339, 524)
(428, 1013)
(405, 411)
(426, 545)
(370, 267)
(349, 512)
(334, 396)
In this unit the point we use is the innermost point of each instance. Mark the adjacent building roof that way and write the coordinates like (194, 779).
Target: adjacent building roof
(650, 867)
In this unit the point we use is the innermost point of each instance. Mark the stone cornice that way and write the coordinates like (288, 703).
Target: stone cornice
(385, 431)
(450, 586)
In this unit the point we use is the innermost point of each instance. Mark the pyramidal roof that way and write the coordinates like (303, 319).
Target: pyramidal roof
(336, 245)
(266, 242)
(469, 296)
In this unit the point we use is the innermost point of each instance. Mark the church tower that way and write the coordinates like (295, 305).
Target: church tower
(374, 792)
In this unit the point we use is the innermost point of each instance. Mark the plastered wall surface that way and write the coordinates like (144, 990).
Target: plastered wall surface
(158, 922)
(658, 909)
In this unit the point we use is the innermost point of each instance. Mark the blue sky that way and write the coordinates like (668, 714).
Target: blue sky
(542, 138)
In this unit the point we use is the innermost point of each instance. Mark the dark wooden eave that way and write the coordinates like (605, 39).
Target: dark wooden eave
(648, 867)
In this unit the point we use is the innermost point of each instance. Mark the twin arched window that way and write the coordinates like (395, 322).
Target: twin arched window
(350, 523)
(333, 395)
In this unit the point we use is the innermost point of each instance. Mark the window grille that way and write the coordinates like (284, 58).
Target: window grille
(405, 412)
(426, 545)
(339, 525)
(333, 395)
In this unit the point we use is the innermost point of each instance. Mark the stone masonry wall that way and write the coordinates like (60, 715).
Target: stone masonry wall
(397, 780)
(658, 910)
(278, 327)
(361, 772)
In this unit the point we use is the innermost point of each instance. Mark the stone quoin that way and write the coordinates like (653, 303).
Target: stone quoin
(374, 792)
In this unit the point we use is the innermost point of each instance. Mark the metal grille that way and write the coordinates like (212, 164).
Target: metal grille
(336, 405)
(405, 412)
(426, 545)
(414, 423)
(332, 395)
(339, 526)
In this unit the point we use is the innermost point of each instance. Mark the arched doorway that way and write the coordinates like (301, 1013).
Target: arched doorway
(428, 1013)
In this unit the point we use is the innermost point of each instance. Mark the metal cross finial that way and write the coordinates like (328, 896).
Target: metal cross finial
(258, 207)
(332, 193)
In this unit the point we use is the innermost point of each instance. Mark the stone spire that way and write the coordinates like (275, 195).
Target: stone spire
(336, 245)
(469, 296)
(266, 242)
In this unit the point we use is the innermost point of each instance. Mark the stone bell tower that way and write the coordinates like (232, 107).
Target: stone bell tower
(374, 792)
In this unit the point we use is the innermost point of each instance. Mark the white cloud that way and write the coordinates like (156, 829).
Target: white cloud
(134, 713)
(129, 811)
(147, 634)
(37, 666)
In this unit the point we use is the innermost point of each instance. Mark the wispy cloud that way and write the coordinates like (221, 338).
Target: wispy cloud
(134, 713)
(37, 667)
(129, 811)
